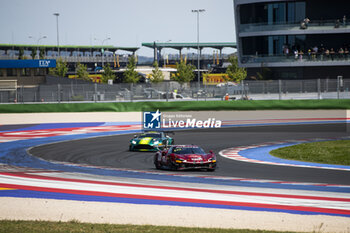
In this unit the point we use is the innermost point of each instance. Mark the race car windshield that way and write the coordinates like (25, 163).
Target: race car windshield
(188, 150)
(150, 135)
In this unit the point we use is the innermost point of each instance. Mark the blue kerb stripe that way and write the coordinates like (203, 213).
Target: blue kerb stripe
(263, 154)
(75, 197)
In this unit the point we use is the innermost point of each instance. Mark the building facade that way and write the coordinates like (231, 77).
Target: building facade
(293, 39)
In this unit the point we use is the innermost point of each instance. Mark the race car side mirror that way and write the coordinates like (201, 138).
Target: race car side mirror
(210, 151)
(135, 136)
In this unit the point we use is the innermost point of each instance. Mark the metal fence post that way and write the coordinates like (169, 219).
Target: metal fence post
(95, 92)
(22, 94)
(279, 89)
(339, 84)
(242, 89)
(167, 91)
(59, 93)
(319, 88)
(131, 92)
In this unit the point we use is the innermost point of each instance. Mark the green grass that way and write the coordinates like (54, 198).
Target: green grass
(329, 152)
(75, 226)
(178, 106)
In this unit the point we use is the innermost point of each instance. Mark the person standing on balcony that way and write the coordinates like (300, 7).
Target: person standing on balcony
(346, 53)
(301, 53)
(332, 53)
(307, 21)
(327, 54)
(309, 54)
(296, 54)
(337, 23)
(341, 53)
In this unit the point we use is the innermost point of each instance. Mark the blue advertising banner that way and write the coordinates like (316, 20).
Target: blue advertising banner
(37, 63)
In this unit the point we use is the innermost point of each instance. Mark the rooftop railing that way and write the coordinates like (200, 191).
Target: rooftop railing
(300, 57)
(285, 25)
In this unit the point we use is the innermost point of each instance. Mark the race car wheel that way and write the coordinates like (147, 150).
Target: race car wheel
(211, 169)
(173, 166)
(157, 163)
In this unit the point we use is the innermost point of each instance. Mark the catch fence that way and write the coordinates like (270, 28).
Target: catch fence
(173, 91)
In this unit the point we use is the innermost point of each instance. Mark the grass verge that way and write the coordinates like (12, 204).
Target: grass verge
(75, 227)
(178, 106)
(329, 152)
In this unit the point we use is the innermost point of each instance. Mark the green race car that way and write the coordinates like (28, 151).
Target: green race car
(150, 141)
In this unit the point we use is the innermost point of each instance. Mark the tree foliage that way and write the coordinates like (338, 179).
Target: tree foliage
(130, 75)
(82, 72)
(61, 68)
(21, 54)
(107, 73)
(184, 72)
(235, 73)
(157, 75)
(33, 53)
(42, 53)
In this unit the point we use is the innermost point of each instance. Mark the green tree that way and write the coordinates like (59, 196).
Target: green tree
(157, 75)
(107, 73)
(33, 54)
(184, 72)
(21, 54)
(61, 68)
(130, 75)
(235, 73)
(42, 53)
(81, 71)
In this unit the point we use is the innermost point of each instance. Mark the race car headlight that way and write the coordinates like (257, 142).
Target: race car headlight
(156, 142)
(213, 160)
(133, 142)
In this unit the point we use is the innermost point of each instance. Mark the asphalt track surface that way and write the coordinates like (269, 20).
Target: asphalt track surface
(113, 151)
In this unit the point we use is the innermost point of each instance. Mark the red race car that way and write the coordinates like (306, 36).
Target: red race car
(181, 157)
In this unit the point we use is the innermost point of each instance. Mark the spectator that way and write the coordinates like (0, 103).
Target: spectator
(301, 53)
(314, 52)
(327, 54)
(309, 54)
(332, 53)
(307, 21)
(341, 53)
(296, 54)
(346, 53)
(344, 21)
(303, 25)
(337, 23)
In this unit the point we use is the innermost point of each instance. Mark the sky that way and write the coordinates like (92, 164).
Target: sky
(127, 22)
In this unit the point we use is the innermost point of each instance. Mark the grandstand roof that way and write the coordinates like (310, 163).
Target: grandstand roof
(68, 47)
(191, 45)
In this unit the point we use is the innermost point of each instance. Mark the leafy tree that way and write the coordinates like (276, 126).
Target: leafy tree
(184, 72)
(235, 73)
(82, 72)
(42, 53)
(61, 68)
(21, 54)
(130, 75)
(107, 73)
(33, 54)
(157, 75)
